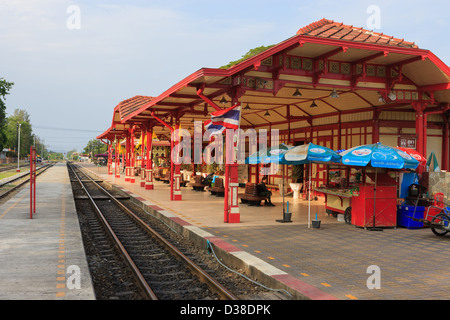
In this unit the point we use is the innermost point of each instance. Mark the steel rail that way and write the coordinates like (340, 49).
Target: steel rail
(147, 291)
(201, 274)
(27, 179)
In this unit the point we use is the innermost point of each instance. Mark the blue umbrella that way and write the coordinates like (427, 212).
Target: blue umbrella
(310, 153)
(290, 155)
(272, 154)
(378, 156)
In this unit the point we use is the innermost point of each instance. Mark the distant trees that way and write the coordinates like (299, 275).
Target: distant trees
(94, 147)
(11, 131)
(5, 87)
(9, 127)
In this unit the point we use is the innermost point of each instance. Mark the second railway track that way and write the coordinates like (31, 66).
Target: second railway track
(157, 268)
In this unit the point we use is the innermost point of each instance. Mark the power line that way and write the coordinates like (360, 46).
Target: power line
(65, 129)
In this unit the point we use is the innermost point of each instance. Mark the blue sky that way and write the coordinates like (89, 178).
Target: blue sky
(73, 79)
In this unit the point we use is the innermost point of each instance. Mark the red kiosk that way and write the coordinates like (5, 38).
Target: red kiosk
(375, 205)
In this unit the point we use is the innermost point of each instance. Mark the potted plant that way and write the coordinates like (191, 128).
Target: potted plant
(297, 173)
(297, 177)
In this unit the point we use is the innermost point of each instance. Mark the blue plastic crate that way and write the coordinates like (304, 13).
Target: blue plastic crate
(405, 212)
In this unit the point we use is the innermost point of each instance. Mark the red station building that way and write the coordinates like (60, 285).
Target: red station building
(330, 84)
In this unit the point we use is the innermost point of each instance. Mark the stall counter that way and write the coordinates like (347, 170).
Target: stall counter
(337, 200)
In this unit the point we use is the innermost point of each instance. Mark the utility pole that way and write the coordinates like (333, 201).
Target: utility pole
(18, 149)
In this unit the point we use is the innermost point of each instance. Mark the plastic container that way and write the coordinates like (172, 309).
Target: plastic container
(405, 212)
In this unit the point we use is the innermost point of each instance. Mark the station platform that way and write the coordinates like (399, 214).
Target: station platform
(335, 262)
(43, 258)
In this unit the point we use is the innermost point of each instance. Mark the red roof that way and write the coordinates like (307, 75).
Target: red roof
(128, 106)
(334, 30)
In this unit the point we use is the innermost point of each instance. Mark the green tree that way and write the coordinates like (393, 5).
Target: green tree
(251, 53)
(22, 118)
(94, 147)
(5, 87)
(72, 155)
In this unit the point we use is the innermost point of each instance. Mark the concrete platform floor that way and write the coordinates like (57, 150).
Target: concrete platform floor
(43, 258)
(337, 261)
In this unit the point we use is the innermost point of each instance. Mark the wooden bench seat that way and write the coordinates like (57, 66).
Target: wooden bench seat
(197, 185)
(251, 196)
(218, 189)
(165, 177)
(157, 174)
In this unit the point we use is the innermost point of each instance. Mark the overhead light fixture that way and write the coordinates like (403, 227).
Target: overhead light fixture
(267, 114)
(247, 107)
(297, 93)
(334, 94)
(392, 96)
(313, 104)
(223, 101)
(381, 98)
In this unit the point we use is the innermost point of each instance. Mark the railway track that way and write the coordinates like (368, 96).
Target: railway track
(15, 183)
(156, 269)
(2, 169)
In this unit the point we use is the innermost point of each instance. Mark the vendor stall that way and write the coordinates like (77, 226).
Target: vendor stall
(337, 190)
(356, 193)
(373, 202)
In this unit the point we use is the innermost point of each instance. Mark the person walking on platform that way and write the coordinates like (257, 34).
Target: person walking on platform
(263, 191)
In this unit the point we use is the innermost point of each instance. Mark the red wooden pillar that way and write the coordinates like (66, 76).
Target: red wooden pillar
(133, 158)
(232, 178)
(143, 146)
(420, 146)
(419, 127)
(117, 158)
(445, 146)
(375, 128)
(149, 165)
(226, 193)
(110, 159)
(176, 180)
(234, 216)
(127, 158)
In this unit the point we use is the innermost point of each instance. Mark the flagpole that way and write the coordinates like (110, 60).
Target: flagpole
(309, 197)
(235, 156)
(239, 131)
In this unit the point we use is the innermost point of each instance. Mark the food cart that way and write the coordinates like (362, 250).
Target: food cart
(356, 195)
(372, 202)
(338, 190)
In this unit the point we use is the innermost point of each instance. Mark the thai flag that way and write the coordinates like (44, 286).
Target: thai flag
(224, 119)
(214, 129)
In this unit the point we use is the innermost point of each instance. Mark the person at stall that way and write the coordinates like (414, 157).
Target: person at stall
(263, 191)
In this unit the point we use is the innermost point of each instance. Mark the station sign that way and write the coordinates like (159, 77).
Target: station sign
(407, 142)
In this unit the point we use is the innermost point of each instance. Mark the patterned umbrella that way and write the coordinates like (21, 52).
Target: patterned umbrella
(378, 156)
(415, 154)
